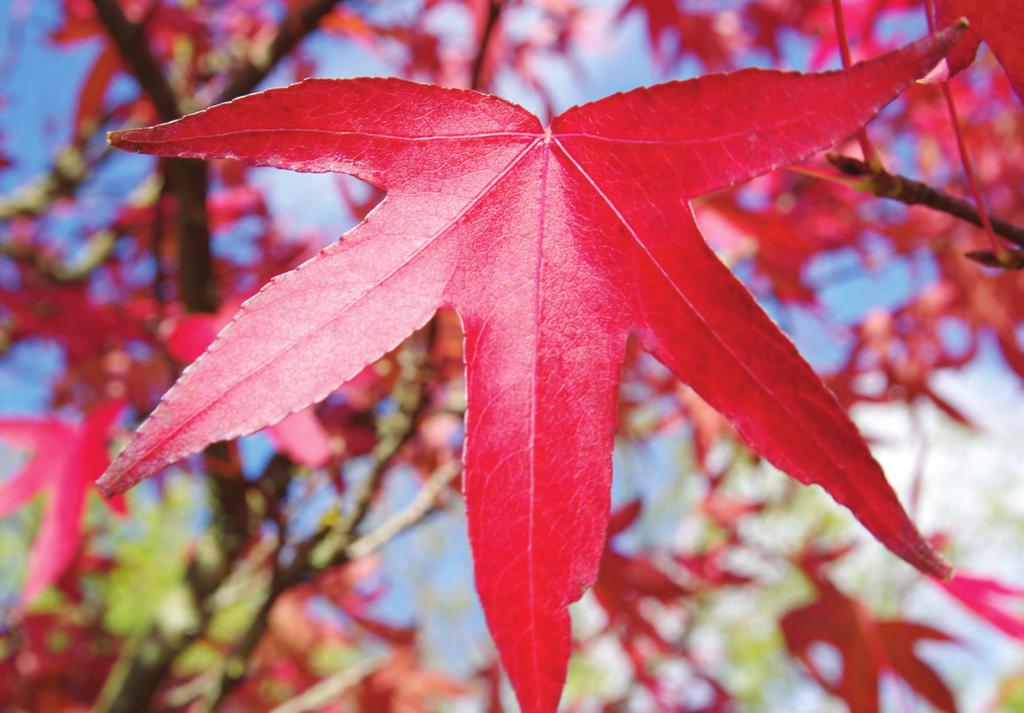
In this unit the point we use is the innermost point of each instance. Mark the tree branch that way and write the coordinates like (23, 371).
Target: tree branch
(188, 177)
(412, 513)
(396, 430)
(139, 674)
(907, 190)
(98, 247)
(292, 30)
(329, 689)
(494, 8)
(185, 612)
(130, 40)
(197, 285)
(234, 668)
(182, 616)
(70, 169)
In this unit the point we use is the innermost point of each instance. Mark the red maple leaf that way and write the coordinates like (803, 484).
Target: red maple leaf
(868, 648)
(551, 244)
(66, 460)
(1000, 24)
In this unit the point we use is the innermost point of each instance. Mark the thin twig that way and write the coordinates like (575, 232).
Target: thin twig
(54, 268)
(71, 167)
(866, 147)
(233, 671)
(329, 546)
(130, 40)
(292, 30)
(397, 429)
(412, 513)
(323, 692)
(907, 190)
(494, 8)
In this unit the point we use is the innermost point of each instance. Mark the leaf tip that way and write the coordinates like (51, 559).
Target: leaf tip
(949, 36)
(126, 139)
(113, 481)
(936, 48)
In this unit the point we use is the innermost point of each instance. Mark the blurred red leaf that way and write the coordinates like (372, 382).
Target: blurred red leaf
(625, 581)
(94, 90)
(987, 598)
(66, 459)
(60, 311)
(867, 648)
(673, 31)
(54, 663)
(999, 23)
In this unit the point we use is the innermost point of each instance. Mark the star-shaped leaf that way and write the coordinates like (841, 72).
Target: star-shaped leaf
(551, 244)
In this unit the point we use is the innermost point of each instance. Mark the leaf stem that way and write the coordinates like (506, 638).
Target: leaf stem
(998, 250)
(866, 147)
(968, 165)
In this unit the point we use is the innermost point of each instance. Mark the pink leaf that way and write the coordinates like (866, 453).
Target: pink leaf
(985, 597)
(551, 245)
(302, 438)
